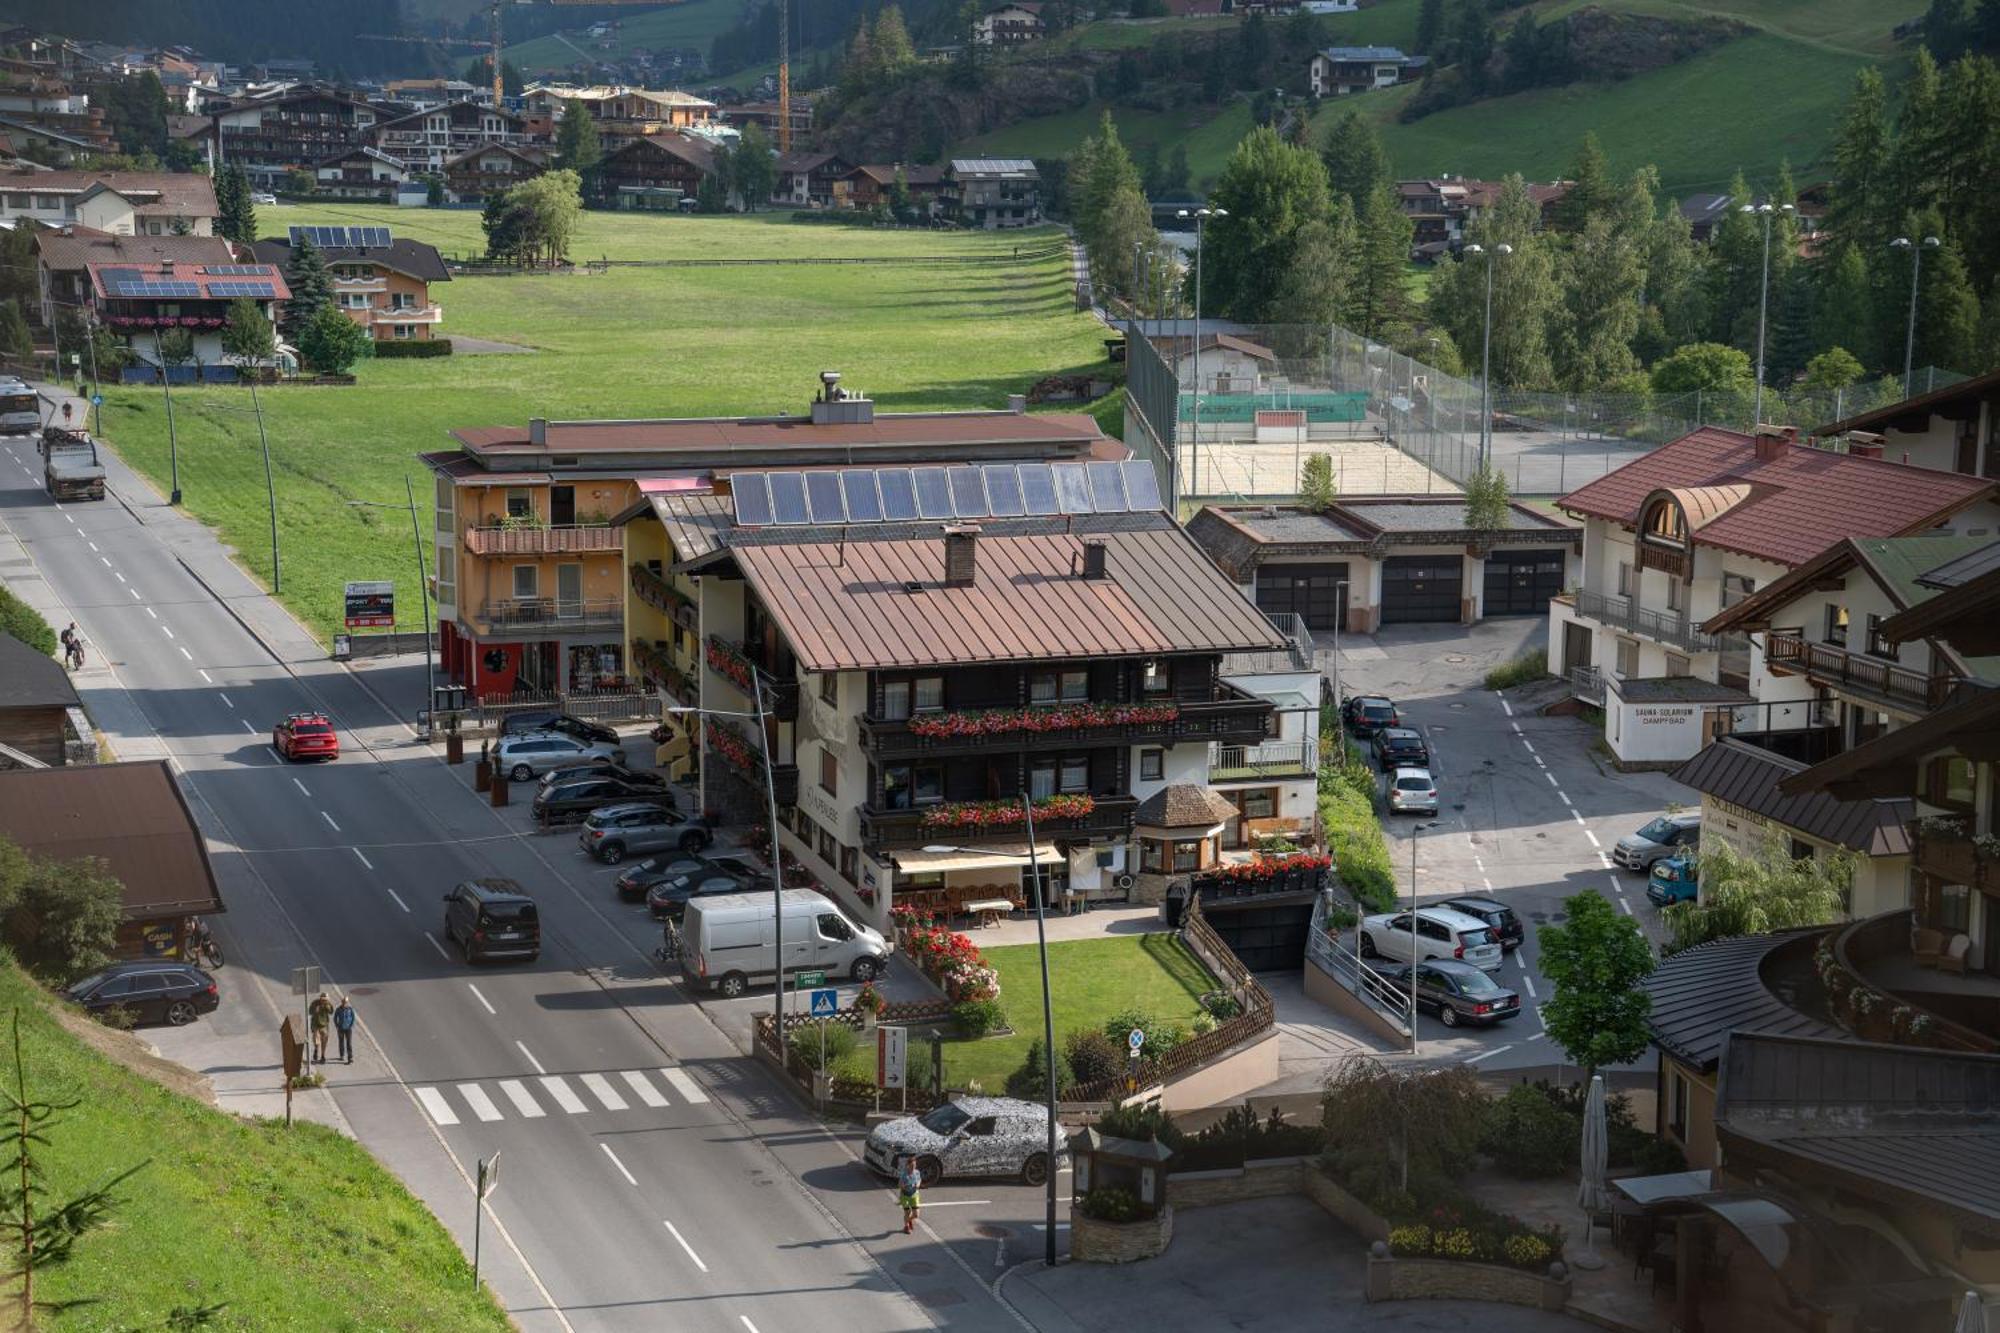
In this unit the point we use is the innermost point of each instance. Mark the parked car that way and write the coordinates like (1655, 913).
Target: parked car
(640, 880)
(161, 991)
(1674, 879)
(1366, 714)
(1659, 839)
(1400, 747)
(522, 757)
(1412, 792)
(969, 1136)
(1440, 933)
(567, 802)
(263, 199)
(1457, 992)
(729, 940)
(492, 918)
(306, 736)
(1499, 918)
(517, 724)
(613, 832)
(605, 768)
(668, 899)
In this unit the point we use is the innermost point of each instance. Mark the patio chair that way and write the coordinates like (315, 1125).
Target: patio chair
(1926, 946)
(1953, 957)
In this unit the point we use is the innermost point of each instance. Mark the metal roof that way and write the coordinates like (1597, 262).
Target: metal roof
(1363, 53)
(30, 680)
(132, 816)
(723, 436)
(1742, 774)
(1963, 570)
(994, 166)
(1703, 994)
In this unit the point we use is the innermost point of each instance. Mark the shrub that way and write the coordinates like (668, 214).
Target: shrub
(1030, 1082)
(1354, 837)
(26, 624)
(1465, 1231)
(1093, 1056)
(414, 348)
(1221, 1007)
(976, 1018)
(1142, 1122)
(1241, 1137)
(1160, 1037)
(805, 1044)
(1110, 1205)
(1529, 1137)
(59, 917)
(1520, 671)
(1203, 1024)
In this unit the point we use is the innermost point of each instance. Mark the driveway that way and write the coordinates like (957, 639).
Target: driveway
(1253, 1266)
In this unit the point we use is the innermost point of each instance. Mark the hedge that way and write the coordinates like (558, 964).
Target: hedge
(415, 347)
(26, 624)
(1353, 833)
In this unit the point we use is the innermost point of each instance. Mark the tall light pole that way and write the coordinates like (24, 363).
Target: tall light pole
(1767, 211)
(1486, 351)
(173, 440)
(1201, 217)
(1415, 829)
(1916, 268)
(423, 587)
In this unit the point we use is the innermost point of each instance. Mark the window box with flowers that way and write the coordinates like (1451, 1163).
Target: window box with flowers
(735, 751)
(727, 661)
(1066, 717)
(1005, 814)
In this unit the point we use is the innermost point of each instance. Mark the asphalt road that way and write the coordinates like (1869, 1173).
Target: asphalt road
(650, 1176)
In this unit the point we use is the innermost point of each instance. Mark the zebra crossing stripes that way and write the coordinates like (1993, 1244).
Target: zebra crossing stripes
(556, 1088)
(613, 1092)
(600, 1088)
(482, 1105)
(643, 1090)
(684, 1085)
(525, 1104)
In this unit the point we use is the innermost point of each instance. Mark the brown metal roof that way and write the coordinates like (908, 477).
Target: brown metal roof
(131, 816)
(73, 247)
(845, 606)
(1744, 775)
(723, 436)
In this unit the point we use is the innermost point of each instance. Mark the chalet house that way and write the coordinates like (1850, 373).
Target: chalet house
(766, 115)
(870, 186)
(1955, 429)
(126, 203)
(810, 180)
(477, 173)
(53, 107)
(295, 128)
(1015, 23)
(425, 140)
(986, 193)
(362, 173)
(39, 709)
(63, 258)
(1228, 363)
(1340, 70)
(18, 137)
(142, 302)
(622, 114)
(384, 289)
(669, 165)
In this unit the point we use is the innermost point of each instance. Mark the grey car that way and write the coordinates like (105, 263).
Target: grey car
(969, 1136)
(613, 832)
(521, 757)
(1661, 838)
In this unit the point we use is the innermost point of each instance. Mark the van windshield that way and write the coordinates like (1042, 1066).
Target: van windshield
(19, 402)
(508, 914)
(1658, 831)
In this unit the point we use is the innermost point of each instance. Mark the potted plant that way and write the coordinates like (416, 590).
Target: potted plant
(870, 1003)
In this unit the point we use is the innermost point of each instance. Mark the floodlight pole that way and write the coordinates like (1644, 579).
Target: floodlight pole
(1048, 1025)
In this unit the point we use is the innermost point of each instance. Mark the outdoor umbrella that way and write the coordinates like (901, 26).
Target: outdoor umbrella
(1591, 1192)
(1971, 1315)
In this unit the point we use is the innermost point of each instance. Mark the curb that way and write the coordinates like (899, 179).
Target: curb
(234, 614)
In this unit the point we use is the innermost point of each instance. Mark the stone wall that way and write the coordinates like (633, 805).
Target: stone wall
(1095, 1242)
(1357, 1216)
(1253, 1180)
(1448, 1279)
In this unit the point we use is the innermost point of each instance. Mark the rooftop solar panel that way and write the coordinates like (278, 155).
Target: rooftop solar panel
(1038, 488)
(933, 493)
(899, 495)
(1107, 488)
(968, 492)
(1142, 486)
(1003, 491)
(753, 499)
(788, 497)
(823, 498)
(864, 503)
(1072, 490)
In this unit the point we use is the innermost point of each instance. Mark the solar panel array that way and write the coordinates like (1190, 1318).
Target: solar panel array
(236, 270)
(343, 238)
(142, 288)
(234, 289)
(910, 495)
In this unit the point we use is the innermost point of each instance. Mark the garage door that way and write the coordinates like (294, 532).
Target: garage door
(1312, 592)
(1520, 583)
(1421, 588)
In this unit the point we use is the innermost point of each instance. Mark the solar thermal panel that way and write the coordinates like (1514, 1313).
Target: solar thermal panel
(753, 499)
(788, 497)
(968, 492)
(823, 498)
(1038, 488)
(1003, 490)
(1107, 488)
(899, 495)
(1072, 489)
(1142, 486)
(864, 502)
(933, 493)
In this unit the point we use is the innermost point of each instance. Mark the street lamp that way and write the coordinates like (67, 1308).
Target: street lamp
(1767, 211)
(761, 717)
(1201, 217)
(1415, 829)
(1048, 1014)
(1916, 267)
(173, 441)
(1486, 350)
(96, 409)
(423, 584)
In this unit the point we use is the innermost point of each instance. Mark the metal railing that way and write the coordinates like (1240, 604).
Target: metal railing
(1296, 656)
(1363, 981)
(554, 613)
(1671, 628)
(556, 539)
(1227, 763)
(1857, 672)
(593, 705)
(1587, 684)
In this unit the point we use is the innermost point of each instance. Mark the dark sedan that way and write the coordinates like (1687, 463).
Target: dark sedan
(1400, 747)
(634, 882)
(568, 802)
(157, 992)
(605, 768)
(1366, 714)
(668, 899)
(1457, 992)
(518, 724)
(1506, 926)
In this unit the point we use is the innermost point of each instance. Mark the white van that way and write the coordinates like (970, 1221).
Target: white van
(727, 941)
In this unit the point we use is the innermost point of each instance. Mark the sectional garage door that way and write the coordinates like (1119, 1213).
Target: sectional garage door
(1520, 583)
(1310, 591)
(1421, 588)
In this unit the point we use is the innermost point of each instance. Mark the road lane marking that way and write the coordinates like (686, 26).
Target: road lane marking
(203, 673)
(1488, 883)
(163, 629)
(1578, 817)
(1625, 907)
(267, 749)
(133, 591)
(151, 612)
(530, 1057)
(188, 655)
(482, 1105)
(556, 1088)
(364, 859)
(629, 1179)
(435, 945)
(1552, 779)
(1539, 763)
(116, 575)
(399, 902)
(1504, 704)
(1527, 745)
(220, 695)
(1565, 798)
(523, 1102)
(482, 999)
(1617, 885)
(88, 542)
(1605, 859)
(301, 786)
(646, 1091)
(684, 1085)
(253, 731)
(1516, 726)
(1529, 982)
(434, 1102)
(676, 1232)
(1488, 1055)
(600, 1088)
(748, 1326)
(107, 562)
(1588, 834)
(329, 819)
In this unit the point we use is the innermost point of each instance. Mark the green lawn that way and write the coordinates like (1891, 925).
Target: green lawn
(1092, 980)
(628, 343)
(296, 1228)
(693, 23)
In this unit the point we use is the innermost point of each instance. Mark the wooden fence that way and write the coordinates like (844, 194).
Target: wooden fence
(852, 1091)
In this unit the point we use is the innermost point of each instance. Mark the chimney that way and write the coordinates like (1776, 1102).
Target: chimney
(538, 431)
(1771, 443)
(836, 406)
(961, 551)
(1017, 403)
(1864, 444)
(1094, 566)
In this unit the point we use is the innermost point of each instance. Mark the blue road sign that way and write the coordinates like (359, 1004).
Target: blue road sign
(1135, 1039)
(825, 1003)
(97, 400)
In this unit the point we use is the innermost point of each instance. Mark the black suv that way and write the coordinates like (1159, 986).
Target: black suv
(492, 918)
(668, 899)
(517, 724)
(1506, 926)
(636, 880)
(1459, 992)
(1366, 714)
(604, 768)
(568, 802)
(1400, 747)
(157, 992)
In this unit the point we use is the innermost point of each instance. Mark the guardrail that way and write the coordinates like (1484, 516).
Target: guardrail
(1363, 981)
(1674, 629)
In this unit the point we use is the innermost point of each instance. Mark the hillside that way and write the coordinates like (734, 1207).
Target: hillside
(286, 1228)
(693, 23)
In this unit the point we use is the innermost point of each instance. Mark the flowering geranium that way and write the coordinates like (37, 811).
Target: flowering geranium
(726, 661)
(1065, 717)
(1270, 867)
(1004, 814)
(869, 1000)
(735, 751)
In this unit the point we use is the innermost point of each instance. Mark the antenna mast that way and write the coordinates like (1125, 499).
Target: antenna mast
(784, 76)
(494, 15)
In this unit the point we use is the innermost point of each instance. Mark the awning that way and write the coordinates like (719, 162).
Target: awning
(1661, 1189)
(1291, 701)
(983, 858)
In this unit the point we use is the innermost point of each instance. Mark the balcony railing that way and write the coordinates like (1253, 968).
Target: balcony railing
(515, 539)
(1944, 851)
(1297, 655)
(655, 664)
(662, 595)
(1587, 684)
(1857, 673)
(727, 659)
(1273, 759)
(562, 615)
(1877, 990)
(1233, 717)
(1110, 817)
(1671, 628)
(409, 314)
(377, 284)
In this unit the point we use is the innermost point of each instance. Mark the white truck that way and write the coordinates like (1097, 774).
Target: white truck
(69, 465)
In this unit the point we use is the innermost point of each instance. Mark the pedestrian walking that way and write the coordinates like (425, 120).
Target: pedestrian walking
(343, 1028)
(321, 1014)
(909, 1183)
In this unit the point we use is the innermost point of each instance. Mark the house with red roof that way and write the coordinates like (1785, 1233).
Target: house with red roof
(146, 302)
(1674, 540)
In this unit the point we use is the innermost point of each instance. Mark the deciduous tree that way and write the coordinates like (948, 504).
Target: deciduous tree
(331, 343)
(1751, 895)
(248, 335)
(1596, 960)
(1835, 368)
(1271, 190)
(753, 168)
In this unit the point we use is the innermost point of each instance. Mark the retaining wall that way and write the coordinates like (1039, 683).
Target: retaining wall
(1451, 1280)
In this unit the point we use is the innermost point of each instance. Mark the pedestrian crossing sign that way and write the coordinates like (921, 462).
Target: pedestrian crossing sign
(825, 1003)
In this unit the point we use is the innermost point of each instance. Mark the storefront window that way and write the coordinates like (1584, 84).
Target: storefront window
(596, 666)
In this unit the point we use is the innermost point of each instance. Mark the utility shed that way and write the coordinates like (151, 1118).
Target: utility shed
(35, 699)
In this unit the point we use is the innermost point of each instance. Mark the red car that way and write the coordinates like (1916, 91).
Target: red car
(306, 736)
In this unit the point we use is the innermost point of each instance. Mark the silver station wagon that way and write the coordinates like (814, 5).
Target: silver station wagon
(969, 1136)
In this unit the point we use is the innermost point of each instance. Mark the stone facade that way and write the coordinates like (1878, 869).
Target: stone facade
(1117, 1243)
(1448, 1280)
(1095, 1242)
(1148, 889)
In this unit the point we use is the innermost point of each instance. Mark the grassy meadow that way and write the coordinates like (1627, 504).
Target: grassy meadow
(630, 342)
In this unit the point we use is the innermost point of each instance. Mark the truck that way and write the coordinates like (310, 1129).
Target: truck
(20, 408)
(69, 465)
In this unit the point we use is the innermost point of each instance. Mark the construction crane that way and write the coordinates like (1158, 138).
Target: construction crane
(493, 40)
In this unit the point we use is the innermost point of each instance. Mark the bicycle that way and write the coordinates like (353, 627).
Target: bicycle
(207, 952)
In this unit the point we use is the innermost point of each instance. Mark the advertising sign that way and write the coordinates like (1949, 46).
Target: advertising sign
(371, 605)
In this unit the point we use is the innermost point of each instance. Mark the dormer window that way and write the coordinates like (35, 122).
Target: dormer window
(1666, 523)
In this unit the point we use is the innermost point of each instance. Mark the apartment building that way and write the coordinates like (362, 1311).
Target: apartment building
(427, 139)
(490, 169)
(140, 302)
(63, 258)
(362, 173)
(124, 203)
(992, 192)
(296, 128)
(386, 289)
(622, 113)
(1015, 23)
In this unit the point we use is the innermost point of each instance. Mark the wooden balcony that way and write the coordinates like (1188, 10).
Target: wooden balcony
(727, 659)
(521, 539)
(1877, 989)
(1110, 817)
(663, 596)
(1872, 678)
(1953, 858)
(1233, 717)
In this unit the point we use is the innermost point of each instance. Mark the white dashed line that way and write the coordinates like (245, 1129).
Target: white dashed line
(1565, 798)
(482, 999)
(1617, 885)
(188, 655)
(225, 698)
(629, 1178)
(151, 612)
(329, 821)
(1588, 834)
(301, 786)
(134, 592)
(529, 1056)
(253, 731)
(683, 1240)
(1605, 859)
(1488, 1055)
(392, 894)
(205, 676)
(106, 560)
(1529, 982)
(364, 860)
(435, 945)
(1527, 745)
(1539, 764)
(747, 1325)
(163, 629)
(1516, 726)
(1488, 883)
(116, 575)
(267, 749)
(1578, 817)
(88, 542)
(1625, 907)
(1552, 779)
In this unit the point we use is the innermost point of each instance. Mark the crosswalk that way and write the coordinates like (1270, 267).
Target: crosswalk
(456, 1103)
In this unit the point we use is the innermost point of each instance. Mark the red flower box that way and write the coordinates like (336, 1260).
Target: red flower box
(1004, 814)
(725, 661)
(1063, 717)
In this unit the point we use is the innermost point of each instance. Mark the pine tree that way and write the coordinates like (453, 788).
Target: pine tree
(1861, 207)
(1602, 274)
(1430, 29)
(1972, 114)
(1379, 304)
(1844, 308)
(1521, 53)
(236, 217)
(1355, 162)
(312, 291)
(1789, 344)
(1592, 191)
(891, 43)
(1947, 311)
(1921, 129)
(578, 145)
(1314, 288)
(1947, 28)
(1736, 270)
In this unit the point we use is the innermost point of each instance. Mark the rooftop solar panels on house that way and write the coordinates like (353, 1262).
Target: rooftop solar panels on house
(235, 289)
(151, 289)
(941, 494)
(234, 270)
(343, 238)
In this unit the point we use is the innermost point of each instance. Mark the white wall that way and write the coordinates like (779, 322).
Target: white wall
(1652, 733)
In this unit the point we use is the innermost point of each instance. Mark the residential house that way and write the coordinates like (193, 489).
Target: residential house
(1686, 532)
(1340, 70)
(362, 173)
(766, 115)
(1227, 362)
(1705, 212)
(986, 193)
(1437, 210)
(39, 709)
(384, 289)
(141, 301)
(129, 203)
(479, 173)
(654, 171)
(872, 186)
(24, 138)
(425, 140)
(132, 817)
(436, 91)
(64, 256)
(1013, 23)
(53, 107)
(1364, 563)
(623, 114)
(1953, 428)
(810, 180)
(1546, 196)
(296, 128)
